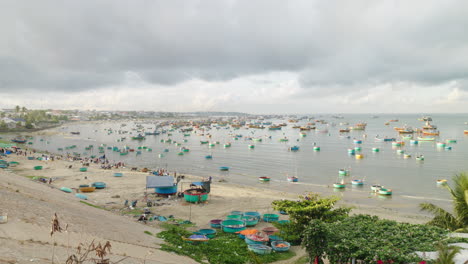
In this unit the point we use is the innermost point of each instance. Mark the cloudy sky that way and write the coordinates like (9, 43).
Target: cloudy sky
(265, 56)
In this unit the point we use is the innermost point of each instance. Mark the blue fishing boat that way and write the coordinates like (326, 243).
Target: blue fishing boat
(118, 174)
(99, 185)
(208, 157)
(294, 148)
(168, 190)
(223, 168)
(293, 179)
(81, 196)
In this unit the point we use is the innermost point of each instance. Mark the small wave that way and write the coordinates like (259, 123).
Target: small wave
(425, 198)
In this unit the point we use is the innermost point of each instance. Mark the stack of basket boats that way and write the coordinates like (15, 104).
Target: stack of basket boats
(260, 242)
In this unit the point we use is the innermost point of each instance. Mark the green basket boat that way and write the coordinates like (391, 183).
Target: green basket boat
(250, 220)
(270, 218)
(83, 169)
(232, 226)
(193, 196)
(38, 167)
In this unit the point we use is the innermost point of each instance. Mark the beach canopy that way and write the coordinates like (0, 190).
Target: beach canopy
(159, 181)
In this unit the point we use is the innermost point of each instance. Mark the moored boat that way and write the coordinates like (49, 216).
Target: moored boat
(293, 179)
(420, 157)
(339, 185)
(376, 187)
(442, 181)
(264, 179)
(357, 182)
(223, 168)
(385, 191)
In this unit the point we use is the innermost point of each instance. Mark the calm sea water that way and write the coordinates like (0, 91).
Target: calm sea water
(412, 181)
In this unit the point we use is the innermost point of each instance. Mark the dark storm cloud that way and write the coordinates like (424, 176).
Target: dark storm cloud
(335, 45)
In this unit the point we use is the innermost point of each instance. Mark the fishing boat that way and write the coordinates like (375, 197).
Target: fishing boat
(339, 185)
(357, 182)
(139, 137)
(431, 133)
(442, 181)
(426, 138)
(376, 187)
(375, 150)
(293, 179)
(357, 141)
(195, 196)
(65, 189)
(451, 140)
(283, 140)
(359, 156)
(316, 148)
(208, 157)
(294, 148)
(232, 225)
(19, 140)
(264, 179)
(87, 189)
(251, 146)
(344, 172)
(223, 168)
(420, 157)
(407, 156)
(99, 185)
(345, 130)
(81, 196)
(385, 191)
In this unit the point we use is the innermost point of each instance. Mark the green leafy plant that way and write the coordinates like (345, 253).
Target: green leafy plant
(446, 254)
(304, 210)
(224, 249)
(458, 221)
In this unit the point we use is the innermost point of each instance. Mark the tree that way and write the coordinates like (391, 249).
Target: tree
(3, 125)
(304, 210)
(367, 238)
(458, 221)
(315, 240)
(17, 108)
(446, 254)
(23, 109)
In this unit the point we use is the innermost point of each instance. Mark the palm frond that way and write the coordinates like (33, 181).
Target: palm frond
(441, 218)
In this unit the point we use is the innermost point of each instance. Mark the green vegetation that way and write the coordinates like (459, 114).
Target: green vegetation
(93, 205)
(306, 209)
(366, 238)
(148, 233)
(458, 221)
(224, 249)
(446, 254)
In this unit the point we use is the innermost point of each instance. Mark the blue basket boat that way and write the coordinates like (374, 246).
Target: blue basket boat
(280, 246)
(216, 223)
(253, 214)
(210, 233)
(99, 185)
(270, 218)
(236, 213)
(118, 174)
(260, 249)
(232, 226)
(166, 190)
(250, 220)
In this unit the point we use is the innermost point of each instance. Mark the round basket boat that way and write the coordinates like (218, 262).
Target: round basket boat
(99, 185)
(83, 169)
(270, 218)
(260, 249)
(280, 246)
(166, 190)
(232, 226)
(38, 167)
(194, 196)
(118, 174)
(236, 216)
(216, 223)
(252, 214)
(250, 220)
(210, 233)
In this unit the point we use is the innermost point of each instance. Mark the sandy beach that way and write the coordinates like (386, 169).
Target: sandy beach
(31, 204)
